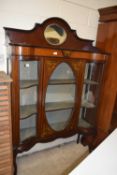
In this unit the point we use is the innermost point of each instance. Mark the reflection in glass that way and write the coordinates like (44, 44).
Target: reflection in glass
(55, 34)
(28, 98)
(60, 97)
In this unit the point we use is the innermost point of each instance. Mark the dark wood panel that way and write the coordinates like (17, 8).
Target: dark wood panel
(108, 14)
(108, 43)
(107, 40)
(35, 37)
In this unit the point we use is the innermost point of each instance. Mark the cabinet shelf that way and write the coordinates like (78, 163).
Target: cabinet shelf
(61, 81)
(28, 83)
(27, 111)
(53, 106)
(87, 104)
(91, 82)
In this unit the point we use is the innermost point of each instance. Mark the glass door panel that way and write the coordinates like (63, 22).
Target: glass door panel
(28, 127)
(91, 88)
(60, 97)
(59, 119)
(28, 98)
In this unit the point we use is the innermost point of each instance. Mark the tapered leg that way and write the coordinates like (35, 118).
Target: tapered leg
(15, 162)
(78, 138)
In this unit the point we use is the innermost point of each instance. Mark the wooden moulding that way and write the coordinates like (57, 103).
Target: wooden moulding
(108, 14)
(35, 38)
(54, 53)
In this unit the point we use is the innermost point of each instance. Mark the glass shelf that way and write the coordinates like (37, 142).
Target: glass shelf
(87, 104)
(28, 83)
(91, 82)
(61, 81)
(53, 106)
(27, 110)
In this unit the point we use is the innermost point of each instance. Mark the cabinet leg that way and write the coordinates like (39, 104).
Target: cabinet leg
(15, 164)
(86, 137)
(101, 135)
(78, 138)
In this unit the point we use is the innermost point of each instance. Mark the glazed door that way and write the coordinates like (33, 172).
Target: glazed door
(90, 94)
(29, 82)
(61, 96)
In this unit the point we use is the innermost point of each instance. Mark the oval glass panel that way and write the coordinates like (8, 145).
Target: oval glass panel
(55, 34)
(60, 97)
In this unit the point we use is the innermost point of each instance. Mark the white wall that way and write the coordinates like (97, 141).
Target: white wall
(82, 15)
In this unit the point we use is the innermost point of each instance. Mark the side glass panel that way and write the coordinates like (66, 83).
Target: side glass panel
(91, 89)
(60, 97)
(28, 98)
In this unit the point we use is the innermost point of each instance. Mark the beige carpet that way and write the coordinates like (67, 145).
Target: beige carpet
(56, 161)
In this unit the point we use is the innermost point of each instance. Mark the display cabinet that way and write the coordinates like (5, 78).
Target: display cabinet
(56, 85)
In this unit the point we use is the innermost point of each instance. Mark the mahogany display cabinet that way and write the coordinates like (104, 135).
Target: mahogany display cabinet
(56, 84)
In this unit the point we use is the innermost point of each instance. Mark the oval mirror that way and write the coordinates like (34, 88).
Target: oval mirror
(55, 34)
